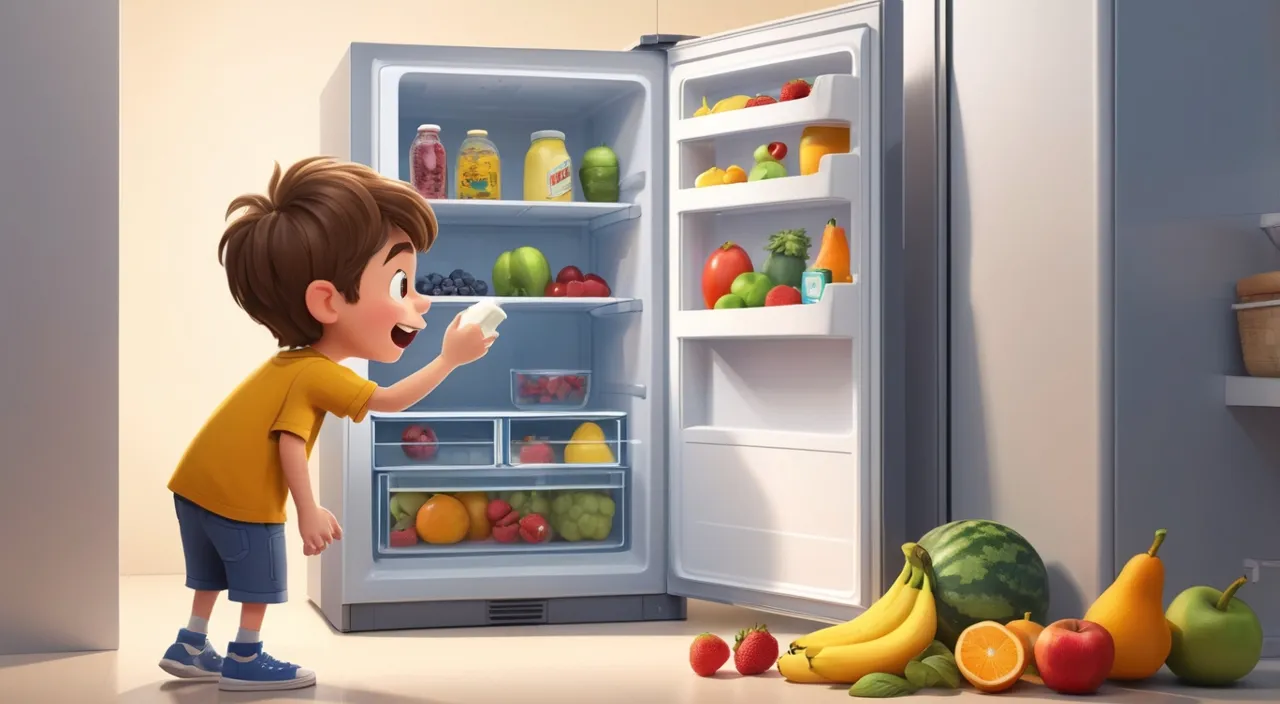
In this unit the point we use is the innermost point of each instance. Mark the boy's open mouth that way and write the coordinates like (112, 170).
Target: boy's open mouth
(403, 335)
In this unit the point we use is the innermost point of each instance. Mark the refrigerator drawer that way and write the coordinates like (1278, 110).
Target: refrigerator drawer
(581, 510)
(435, 443)
(565, 441)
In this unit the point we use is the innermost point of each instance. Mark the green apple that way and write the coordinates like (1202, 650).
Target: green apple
(752, 287)
(1217, 639)
(730, 300)
(405, 504)
(766, 170)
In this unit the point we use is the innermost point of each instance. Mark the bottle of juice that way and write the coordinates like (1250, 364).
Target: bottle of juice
(428, 170)
(479, 168)
(548, 171)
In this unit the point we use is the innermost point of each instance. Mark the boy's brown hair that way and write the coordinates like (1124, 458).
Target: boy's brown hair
(320, 221)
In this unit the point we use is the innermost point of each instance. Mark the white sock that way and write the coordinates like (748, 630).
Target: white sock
(244, 636)
(198, 625)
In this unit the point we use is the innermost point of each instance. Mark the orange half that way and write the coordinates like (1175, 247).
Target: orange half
(990, 656)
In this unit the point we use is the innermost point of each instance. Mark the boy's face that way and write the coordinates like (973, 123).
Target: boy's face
(380, 325)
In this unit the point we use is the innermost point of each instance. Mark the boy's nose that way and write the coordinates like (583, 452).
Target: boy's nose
(422, 304)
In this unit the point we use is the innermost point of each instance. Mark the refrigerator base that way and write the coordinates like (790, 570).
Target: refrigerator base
(511, 612)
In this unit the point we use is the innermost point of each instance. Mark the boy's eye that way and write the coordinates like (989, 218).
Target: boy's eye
(399, 285)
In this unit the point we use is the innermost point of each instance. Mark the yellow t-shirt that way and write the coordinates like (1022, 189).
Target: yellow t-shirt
(232, 467)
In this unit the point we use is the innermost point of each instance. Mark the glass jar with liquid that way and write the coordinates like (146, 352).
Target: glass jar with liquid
(479, 168)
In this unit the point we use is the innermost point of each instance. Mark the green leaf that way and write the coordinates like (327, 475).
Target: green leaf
(921, 675)
(946, 668)
(935, 648)
(880, 685)
(789, 243)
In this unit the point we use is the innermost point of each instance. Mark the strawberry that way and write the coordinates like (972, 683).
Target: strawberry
(795, 90)
(755, 650)
(707, 654)
(760, 100)
(782, 295)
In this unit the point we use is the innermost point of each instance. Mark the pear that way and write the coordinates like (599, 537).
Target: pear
(1132, 611)
(1217, 639)
(588, 446)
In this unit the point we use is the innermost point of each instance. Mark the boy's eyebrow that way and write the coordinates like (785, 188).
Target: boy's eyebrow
(398, 248)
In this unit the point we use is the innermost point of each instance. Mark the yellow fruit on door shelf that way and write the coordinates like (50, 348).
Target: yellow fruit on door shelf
(704, 110)
(890, 653)
(588, 446)
(735, 174)
(1132, 610)
(833, 255)
(737, 102)
(713, 176)
(816, 142)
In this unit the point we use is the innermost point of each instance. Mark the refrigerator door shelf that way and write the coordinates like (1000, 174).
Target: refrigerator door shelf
(525, 213)
(401, 443)
(565, 442)
(584, 512)
(835, 315)
(595, 306)
(833, 101)
(838, 181)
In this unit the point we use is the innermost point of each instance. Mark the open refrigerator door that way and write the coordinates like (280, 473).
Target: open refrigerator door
(774, 415)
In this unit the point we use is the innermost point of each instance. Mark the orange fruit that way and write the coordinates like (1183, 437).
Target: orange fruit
(1029, 631)
(990, 656)
(443, 520)
(735, 174)
(476, 502)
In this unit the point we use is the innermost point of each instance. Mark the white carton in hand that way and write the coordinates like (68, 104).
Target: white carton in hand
(487, 314)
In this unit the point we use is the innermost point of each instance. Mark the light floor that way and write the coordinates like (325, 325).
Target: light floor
(606, 664)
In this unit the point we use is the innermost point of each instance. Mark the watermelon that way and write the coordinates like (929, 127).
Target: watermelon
(984, 571)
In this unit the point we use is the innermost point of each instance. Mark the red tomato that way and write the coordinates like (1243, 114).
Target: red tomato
(553, 290)
(722, 267)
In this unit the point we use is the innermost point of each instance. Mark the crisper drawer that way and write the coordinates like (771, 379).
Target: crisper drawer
(435, 443)
(565, 441)
(453, 513)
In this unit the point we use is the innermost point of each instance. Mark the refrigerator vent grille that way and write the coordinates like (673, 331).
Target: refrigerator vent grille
(517, 612)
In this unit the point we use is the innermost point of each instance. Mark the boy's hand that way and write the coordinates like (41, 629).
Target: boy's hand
(318, 528)
(464, 344)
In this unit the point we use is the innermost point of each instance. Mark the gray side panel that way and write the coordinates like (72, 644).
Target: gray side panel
(59, 278)
(1030, 119)
(521, 612)
(1197, 158)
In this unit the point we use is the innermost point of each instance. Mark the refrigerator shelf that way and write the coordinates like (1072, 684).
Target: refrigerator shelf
(516, 213)
(835, 315)
(458, 442)
(561, 498)
(595, 306)
(1253, 391)
(837, 181)
(834, 101)
(556, 442)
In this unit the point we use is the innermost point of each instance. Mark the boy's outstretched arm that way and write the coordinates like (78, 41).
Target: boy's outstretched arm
(462, 344)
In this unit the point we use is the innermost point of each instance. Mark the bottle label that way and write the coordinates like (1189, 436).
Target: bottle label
(560, 179)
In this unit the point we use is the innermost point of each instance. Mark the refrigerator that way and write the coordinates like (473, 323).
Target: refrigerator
(753, 456)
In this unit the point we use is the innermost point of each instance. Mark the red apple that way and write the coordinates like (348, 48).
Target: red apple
(553, 290)
(1074, 656)
(777, 150)
(534, 529)
(537, 453)
(569, 273)
(420, 442)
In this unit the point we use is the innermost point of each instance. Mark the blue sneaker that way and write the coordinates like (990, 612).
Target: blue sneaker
(248, 669)
(191, 657)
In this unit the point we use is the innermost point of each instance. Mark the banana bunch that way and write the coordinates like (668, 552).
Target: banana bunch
(884, 638)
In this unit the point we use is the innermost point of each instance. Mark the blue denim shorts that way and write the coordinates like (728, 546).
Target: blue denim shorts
(245, 559)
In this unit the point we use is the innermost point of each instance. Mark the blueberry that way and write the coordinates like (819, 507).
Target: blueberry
(468, 279)
(437, 291)
(464, 290)
(456, 274)
(480, 287)
(448, 290)
(457, 281)
(435, 279)
(421, 285)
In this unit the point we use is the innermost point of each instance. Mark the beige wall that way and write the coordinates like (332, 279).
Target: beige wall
(211, 93)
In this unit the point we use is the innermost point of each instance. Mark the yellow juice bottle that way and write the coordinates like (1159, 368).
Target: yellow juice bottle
(479, 168)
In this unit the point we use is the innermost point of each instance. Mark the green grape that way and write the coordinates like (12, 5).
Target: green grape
(607, 507)
(562, 504)
(517, 499)
(590, 503)
(570, 531)
(575, 513)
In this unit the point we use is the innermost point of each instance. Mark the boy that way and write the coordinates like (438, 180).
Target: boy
(326, 261)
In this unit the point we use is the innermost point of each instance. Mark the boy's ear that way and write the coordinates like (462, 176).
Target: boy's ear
(322, 302)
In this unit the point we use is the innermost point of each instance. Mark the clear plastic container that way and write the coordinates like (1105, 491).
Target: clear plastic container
(545, 389)
(428, 164)
(479, 168)
(548, 170)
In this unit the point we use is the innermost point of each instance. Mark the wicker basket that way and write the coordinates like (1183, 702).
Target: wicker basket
(1258, 318)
